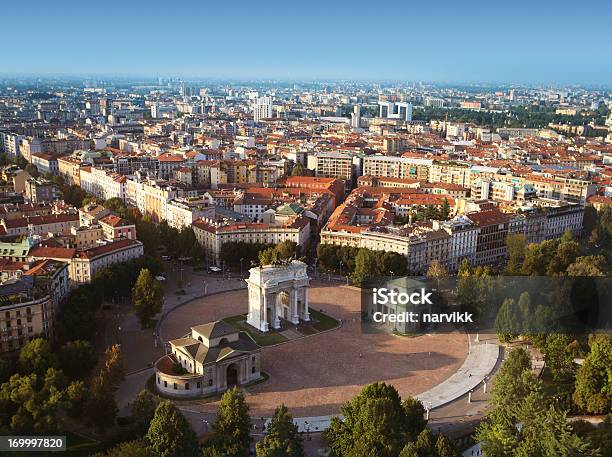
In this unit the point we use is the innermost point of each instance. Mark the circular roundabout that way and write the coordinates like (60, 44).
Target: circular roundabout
(316, 374)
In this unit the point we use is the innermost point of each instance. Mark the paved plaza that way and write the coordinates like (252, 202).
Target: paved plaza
(315, 375)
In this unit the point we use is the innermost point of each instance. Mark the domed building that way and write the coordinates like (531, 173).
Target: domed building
(211, 358)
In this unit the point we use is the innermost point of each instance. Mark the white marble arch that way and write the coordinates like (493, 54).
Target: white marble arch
(278, 292)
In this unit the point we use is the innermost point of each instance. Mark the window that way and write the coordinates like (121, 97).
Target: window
(210, 382)
(252, 369)
(186, 386)
(165, 383)
(174, 385)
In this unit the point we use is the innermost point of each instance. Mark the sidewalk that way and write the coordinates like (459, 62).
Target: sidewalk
(478, 365)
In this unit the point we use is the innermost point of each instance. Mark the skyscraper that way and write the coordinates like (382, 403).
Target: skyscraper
(263, 108)
(356, 117)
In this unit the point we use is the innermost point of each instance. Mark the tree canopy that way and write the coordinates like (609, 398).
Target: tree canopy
(170, 435)
(282, 438)
(148, 297)
(376, 422)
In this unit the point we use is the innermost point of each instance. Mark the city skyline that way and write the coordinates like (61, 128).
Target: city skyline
(480, 42)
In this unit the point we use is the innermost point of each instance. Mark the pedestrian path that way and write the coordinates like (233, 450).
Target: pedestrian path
(478, 365)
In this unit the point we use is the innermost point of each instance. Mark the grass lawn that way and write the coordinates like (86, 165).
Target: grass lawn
(323, 321)
(261, 339)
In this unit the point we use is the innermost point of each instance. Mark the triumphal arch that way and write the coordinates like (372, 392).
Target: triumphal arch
(278, 292)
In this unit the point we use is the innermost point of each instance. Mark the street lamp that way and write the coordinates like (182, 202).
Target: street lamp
(241, 259)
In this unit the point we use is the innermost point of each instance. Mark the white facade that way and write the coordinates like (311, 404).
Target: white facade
(278, 292)
(103, 184)
(395, 110)
(262, 109)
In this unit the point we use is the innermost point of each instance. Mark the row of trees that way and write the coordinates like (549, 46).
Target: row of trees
(240, 255)
(162, 431)
(361, 263)
(281, 252)
(376, 423)
(563, 256)
(528, 116)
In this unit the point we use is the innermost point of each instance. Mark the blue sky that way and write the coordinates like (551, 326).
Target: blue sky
(537, 41)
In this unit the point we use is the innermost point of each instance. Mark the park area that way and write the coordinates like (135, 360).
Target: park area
(316, 373)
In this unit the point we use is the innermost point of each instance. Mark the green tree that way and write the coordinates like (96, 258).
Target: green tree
(327, 256)
(445, 210)
(77, 358)
(233, 421)
(543, 431)
(376, 422)
(282, 438)
(267, 256)
(366, 266)
(465, 269)
(525, 314)
(101, 407)
(594, 265)
(170, 435)
(76, 320)
(143, 410)
(445, 448)
(30, 168)
(4, 159)
(287, 250)
(7, 369)
(508, 321)
(589, 221)
(116, 205)
(516, 245)
(128, 449)
(593, 388)
(535, 262)
(566, 254)
(391, 263)
(148, 297)
(559, 359)
(298, 170)
(37, 356)
(76, 395)
(33, 402)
